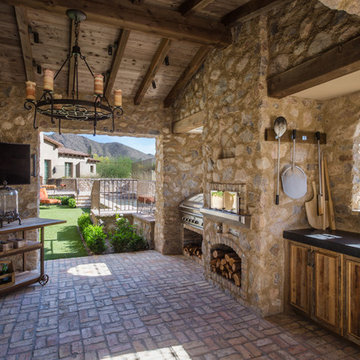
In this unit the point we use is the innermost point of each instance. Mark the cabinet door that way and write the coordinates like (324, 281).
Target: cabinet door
(327, 309)
(299, 277)
(353, 299)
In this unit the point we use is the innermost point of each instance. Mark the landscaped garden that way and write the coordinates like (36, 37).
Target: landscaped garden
(63, 240)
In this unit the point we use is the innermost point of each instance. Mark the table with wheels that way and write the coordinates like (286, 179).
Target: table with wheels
(26, 278)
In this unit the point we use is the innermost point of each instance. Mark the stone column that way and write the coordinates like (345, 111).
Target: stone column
(178, 176)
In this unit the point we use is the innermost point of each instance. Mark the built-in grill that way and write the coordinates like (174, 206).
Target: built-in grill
(190, 211)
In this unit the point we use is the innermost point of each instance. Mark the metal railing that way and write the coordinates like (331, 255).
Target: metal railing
(122, 196)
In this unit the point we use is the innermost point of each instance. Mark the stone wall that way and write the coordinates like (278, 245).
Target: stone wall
(231, 90)
(16, 127)
(303, 29)
(145, 227)
(179, 169)
(350, 6)
(342, 125)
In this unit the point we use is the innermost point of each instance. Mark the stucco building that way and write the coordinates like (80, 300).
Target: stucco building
(57, 161)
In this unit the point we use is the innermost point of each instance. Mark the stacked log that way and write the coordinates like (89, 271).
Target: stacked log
(227, 264)
(193, 250)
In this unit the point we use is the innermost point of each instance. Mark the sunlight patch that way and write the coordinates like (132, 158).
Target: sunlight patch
(169, 353)
(97, 269)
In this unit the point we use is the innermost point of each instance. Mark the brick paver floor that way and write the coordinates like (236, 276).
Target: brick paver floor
(148, 306)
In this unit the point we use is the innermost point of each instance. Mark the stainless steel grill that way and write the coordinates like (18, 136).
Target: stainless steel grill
(190, 211)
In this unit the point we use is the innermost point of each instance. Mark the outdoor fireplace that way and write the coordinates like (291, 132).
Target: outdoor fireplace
(226, 262)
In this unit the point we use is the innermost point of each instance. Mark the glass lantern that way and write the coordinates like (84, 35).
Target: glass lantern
(8, 205)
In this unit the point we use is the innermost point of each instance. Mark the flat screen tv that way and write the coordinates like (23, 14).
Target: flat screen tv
(15, 163)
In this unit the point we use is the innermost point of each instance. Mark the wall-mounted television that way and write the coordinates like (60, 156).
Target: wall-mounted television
(15, 163)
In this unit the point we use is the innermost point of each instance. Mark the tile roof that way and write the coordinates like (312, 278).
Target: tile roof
(50, 140)
(66, 151)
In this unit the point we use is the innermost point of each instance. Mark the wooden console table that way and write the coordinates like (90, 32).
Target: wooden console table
(28, 277)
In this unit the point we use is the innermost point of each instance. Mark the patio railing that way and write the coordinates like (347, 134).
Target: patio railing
(122, 196)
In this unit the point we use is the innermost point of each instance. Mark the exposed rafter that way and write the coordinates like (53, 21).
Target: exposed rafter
(331, 64)
(153, 68)
(23, 29)
(156, 20)
(71, 61)
(251, 9)
(190, 6)
(187, 75)
(119, 54)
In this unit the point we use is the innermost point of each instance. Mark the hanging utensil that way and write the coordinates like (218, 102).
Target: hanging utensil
(331, 205)
(323, 205)
(315, 221)
(280, 126)
(293, 178)
(320, 200)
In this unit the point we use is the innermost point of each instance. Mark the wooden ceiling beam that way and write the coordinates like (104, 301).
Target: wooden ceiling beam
(187, 75)
(156, 20)
(119, 54)
(189, 123)
(249, 10)
(157, 60)
(191, 6)
(331, 64)
(23, 29)
(72, 60)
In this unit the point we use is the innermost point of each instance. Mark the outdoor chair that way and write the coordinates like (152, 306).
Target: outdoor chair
(44, 198)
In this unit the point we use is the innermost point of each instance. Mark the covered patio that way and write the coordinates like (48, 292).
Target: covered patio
(149, 306)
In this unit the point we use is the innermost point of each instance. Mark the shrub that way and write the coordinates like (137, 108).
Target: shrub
(65, 200)
(83, 221)
(94, 237)
(124, 238)
(72, 203)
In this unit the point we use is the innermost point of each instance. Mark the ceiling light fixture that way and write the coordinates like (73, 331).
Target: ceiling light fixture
(54, 106)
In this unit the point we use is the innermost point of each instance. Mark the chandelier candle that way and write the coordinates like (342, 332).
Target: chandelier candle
(48, 80)
(98, 84)
(72, 108)
(30, 90)
(118, 97)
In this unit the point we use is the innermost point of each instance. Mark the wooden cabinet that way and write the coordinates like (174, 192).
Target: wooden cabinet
(327, 288)
(352, 299)
(315, 284)
(299, 277)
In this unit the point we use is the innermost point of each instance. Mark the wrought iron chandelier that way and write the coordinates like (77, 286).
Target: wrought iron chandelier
(54, 106)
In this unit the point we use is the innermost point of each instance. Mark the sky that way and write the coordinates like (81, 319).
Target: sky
(146, 145)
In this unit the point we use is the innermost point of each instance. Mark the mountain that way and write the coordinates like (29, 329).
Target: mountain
(114, 149)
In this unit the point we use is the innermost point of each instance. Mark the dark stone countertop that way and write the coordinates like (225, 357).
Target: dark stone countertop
(348, 244)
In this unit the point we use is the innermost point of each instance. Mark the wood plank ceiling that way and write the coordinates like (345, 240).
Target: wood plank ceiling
(36, 34)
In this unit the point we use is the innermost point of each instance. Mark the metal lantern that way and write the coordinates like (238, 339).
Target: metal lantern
(8, 205)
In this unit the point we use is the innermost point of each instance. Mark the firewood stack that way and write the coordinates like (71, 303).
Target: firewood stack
(227, 264)
(193, 250)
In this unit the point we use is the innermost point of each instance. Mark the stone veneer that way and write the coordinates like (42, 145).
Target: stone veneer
(179, 174)
(350, 6)
(231, 90)
(342, 125)
(16, 127)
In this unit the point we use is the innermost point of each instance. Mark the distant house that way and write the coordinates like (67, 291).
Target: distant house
(57, 161)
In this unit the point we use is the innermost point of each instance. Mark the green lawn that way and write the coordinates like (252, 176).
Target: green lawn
(63, 240)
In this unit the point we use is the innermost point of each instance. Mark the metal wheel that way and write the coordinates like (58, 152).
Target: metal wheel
(44, 279)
